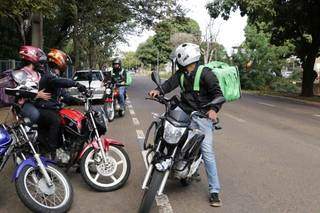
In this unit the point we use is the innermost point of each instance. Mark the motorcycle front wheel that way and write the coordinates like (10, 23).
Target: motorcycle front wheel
(108, 176)
(151, 192)
(34, 192)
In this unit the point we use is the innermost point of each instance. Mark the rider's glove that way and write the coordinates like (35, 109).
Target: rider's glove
(81, 87)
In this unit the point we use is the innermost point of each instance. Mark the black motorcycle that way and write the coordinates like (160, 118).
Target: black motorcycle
(175, 152)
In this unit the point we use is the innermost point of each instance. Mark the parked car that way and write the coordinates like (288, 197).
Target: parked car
(82, 76)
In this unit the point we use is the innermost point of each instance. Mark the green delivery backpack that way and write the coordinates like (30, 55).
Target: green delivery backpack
(228, 76)
(129, 79)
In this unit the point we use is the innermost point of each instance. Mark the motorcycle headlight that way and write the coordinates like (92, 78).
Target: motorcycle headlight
(108, 91)
(172, 134)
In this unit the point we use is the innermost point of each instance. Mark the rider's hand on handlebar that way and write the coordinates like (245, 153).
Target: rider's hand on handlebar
(212, 115)
(81, 87)
(154, 93)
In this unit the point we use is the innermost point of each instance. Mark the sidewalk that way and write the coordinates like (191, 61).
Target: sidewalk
(315, 102)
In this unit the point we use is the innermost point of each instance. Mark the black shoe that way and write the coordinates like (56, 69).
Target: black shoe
(215, 200)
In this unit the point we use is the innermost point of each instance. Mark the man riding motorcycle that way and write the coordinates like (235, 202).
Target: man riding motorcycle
(187, 58)
(52, 84)
(119, 76)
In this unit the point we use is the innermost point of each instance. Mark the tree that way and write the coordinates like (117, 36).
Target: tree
(99, 24)
(147, 52)
(294, 20)
(258, 60)
(180, 37)
(130, 60)
(166, 29)
(21, 13)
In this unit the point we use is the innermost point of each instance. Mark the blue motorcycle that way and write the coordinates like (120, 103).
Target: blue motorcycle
(40, 184)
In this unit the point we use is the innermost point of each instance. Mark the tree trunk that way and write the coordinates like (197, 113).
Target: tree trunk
(308, 76)
(76, 42)
(92, 54)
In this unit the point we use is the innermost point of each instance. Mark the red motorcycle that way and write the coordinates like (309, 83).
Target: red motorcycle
(104, 164)
(111, 100)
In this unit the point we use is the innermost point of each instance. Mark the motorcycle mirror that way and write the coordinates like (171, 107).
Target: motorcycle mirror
(156, 79)
(217, 100)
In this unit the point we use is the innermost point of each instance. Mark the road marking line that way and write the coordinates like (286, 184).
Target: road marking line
(128, 102)
(164, 204)
(317, 115)
(234, 117)
(132, 112)
(130, 106)
(140, 134)
(136, 121)
(266, 104)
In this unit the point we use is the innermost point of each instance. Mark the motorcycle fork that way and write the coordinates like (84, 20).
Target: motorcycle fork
(166, 175)
(37, 158)
(104, 155)
(149, 171)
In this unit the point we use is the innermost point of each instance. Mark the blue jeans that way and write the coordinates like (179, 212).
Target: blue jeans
(122, 92)
(205, 126)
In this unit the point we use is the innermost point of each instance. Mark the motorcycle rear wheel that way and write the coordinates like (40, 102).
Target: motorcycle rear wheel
(109, 110)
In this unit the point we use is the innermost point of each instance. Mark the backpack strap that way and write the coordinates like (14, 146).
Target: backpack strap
(196, 83)
(182, 81)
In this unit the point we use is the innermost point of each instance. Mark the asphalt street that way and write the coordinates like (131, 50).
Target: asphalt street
(268, 155)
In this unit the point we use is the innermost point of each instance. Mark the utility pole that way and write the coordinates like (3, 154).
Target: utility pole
(37, 30)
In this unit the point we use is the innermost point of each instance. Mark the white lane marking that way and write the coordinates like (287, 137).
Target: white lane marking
(128, 101)
(132, 112)
(164, 204)
(317, 115)
(266, 104)
(136, 121)
(130, 106)
(234, 117)
(140, 134)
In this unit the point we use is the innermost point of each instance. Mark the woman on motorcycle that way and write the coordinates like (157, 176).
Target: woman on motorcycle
(32, 59)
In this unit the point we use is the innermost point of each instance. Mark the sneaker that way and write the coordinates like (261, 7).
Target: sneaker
(215, 200)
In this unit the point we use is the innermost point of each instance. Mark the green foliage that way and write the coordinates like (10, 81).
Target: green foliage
(88, 30)
(9, 39)
(216, 52)
(283, 85)
(169, 33)
(147, 52)
(130, 60)
(167, 28)
(266, 60)
(294, 20)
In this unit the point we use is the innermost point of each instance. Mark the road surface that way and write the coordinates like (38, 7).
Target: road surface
(268, 156)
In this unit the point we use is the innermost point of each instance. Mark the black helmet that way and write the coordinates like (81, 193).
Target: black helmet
(116, 61)
(118, 66)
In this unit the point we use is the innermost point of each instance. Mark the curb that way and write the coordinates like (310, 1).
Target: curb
(312, 103)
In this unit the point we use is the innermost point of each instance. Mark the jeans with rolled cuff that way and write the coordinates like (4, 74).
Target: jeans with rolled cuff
(207, 150)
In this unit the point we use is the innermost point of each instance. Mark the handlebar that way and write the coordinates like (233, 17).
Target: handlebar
(161, 99)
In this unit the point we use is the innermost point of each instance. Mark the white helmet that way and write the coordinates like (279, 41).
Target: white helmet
(187, 53)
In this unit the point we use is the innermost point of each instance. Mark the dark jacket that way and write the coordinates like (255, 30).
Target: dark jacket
(54, 85)
(119, 76)
(191, 100)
